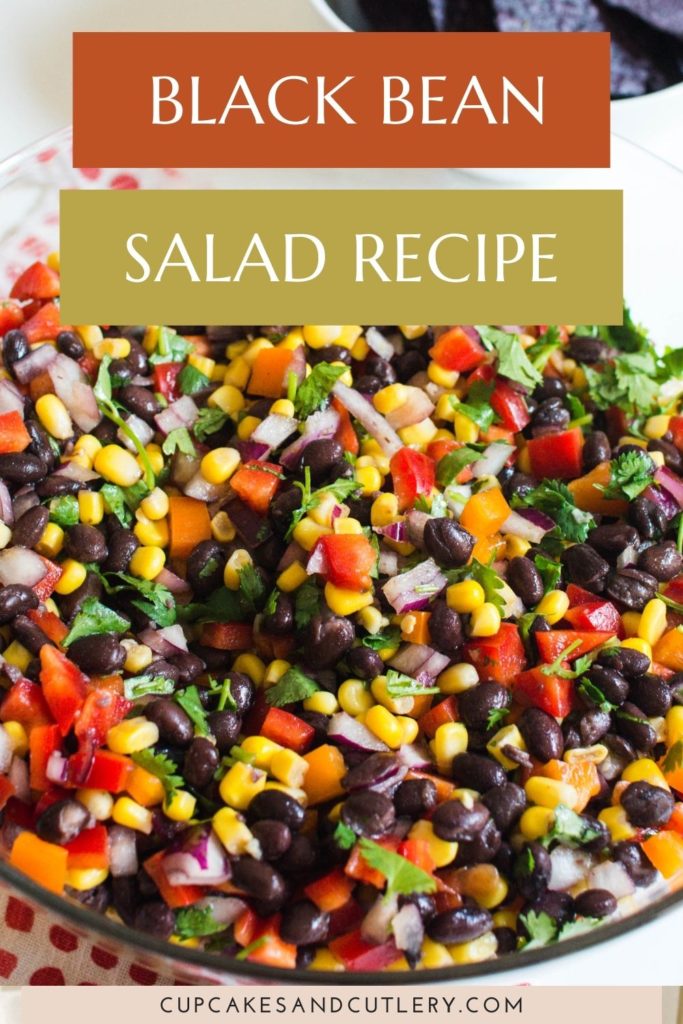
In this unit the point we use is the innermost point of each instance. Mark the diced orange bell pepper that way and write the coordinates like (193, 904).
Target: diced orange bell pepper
(583, 776)
(269, 372)
(173, 895)
(330, 892)
(144, 787)
(227, 636)
(257, 483)
(189, 525)
(415, 627)
(668, 650)
(675, 822)
(357, 867)
(345, 434)
(90, 849)
(664, 850)
(45, 863)
(488, 549)
(443, 712)
(326, 769)
(485, 512)
(589, 497)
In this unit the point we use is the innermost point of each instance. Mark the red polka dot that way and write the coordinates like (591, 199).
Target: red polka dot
(8, 962)
(47, 155)
(62, 939)
(91, 173)
(18, 915)
(141, 976)
(103, 958)
(124, 181)
(47, 976)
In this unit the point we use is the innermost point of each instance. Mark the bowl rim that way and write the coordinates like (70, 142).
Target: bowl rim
(183, 958)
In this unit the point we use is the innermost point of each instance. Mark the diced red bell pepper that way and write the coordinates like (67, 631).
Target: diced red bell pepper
(51, 624)
(175, 896)
(11, 316)
(20, 813)
(37, 282)
(274, 952)
(674, 590)
(244, 928)
(90, 849)
(44, 325)
(498, 658)
(6, 791)
(257, 483)
(510, 407)
(64, 686)
(106, 770)
(557, 456)
(89, 364)
(14, 436)
(102, 710)
(616, 423)
(330, 892)
(577, 595)
(484, 374)
(445, 711)
(348, 560)
(345, 434)
(43, 742)
(417, 852)
(675, 424)
(228, 636)
(53, 573)
(166, 380)
(551, 694)
(359, 955)
(457, 350)
(412, 474)
(52, 795)
(596, 615)
(288, 730)
(553, 642)
(24, 702)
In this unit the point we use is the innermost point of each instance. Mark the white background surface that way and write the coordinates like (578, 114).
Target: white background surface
(35, 98)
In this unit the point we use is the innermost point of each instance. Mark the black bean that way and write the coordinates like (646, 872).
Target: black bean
(542, 734)
(281, 620)
(628, 662)
(672, 457)
(368, 384)
(652, 694)
(137, 357)
(445, 628)
(586, 349)
(201, 762)
(633, 725)
(70, 604)
(105, 431)
(155, 918)
(205, 566)
(585, 567)
(242, 691)
(304, 923)
(519, 484)
(327, 640)
(320, 455)
(612, 538)
(86, 543)
(300, 857)
(381, 368)
(282, 509)
(259, 880)
(329, 354)
(550, 387)
(98, 655)
(97, 899)
(40, 444)
(661, 561)
(225, 726)
(447, 542)
(364, 663)
(550, 417)
(70, 344)
(15, 599)
(455, 822)
(29, 634)
(15, 346)
(648, 518)
(122, 370)
(173, 723)
(122, 546)
(370, 770)
(422, 900)
(506, 804)
(506, 939)
(610, 682)
(274, 837)
(20, 468)
(273, 804)
(593, 725)
(407, 364)
(532, 870)
(525, 580)
(461, 925)
(595, 903)
(636, 863)
(63, 821)
(558, 905)
(141, 402)
(475, 705)
(414, 798)
(481, 848)
(478, 772)
(189, 666)
(631, 587)
(368, 813)
(647, 806)
(29, 528)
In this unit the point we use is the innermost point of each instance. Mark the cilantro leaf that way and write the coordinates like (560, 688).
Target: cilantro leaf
(222, 605)
(162, 766)
(556, 668)
(293, 686)
(115, 503)
(629, 382)
(251, 586)
(674, 757)
(194, 922)
(155, 599)
(141, 686)
(400, 685)
(246, 952)
(94, 619)
(496, 717)
(454, 462)
(555, 499)
(178, 440)
(341, 489)
(313, 391)
(570, 829)
(592, 694)
(64, 510)
(191, 380)
(344, 836)
(542, 929)
(478, 405)
(403, 877)
(540, 352)
(628, 337)
(491, 583)
(306, 603)
(551, 571)
(191, 704)
(378, 641)
(571, 929)
(208, 422)
(630, 473)
(513, 362)
(171, 348)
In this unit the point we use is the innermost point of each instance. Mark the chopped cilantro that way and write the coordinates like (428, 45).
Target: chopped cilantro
(496, 717)
(379, 641)
(191, 704)
(344, 836)
(64, 510)
(556, 668)
(513, 362)
(571, 929)
(155, 599)
(293, 686)
(454, 462)
(171, 348)
(245, 953)
(194, 922)
(341, 489)
(555, 499)
(162, 766)
(306, 603)
(478, 405)
(251, 586)
(630, 473)
(208, 422)
(550, 570)
(570, 829)
(540, 352)
(115, 503)
(541, 928)
(629, 382)
(403, 877)
(191, 380)
(313, 391)
(141, 686)
(178, 440)
(400, 685)
(592, 694)
(94, 619)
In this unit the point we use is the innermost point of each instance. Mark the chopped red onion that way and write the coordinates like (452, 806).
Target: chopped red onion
(538, 518)
(419, 661)
(19, 777)
(35, 363)
(629, 556)
(182, 413)
(408, 930)
(123, 854)
(172, 582)
(57, 768)
(224, 909)
(321, 424)
(6, 506)
(495, 457)
(413, 589)
(379, 344)
(416, 526)
(200, 488)
(142, 431)
(658, 496)
(200, 860)
(72, 387)
(415, 755)
(433, 667)
(11, 398)
(21, 565)
(376, 925)
(317, 562)
(521, 527)
(368, 417)
(274, 430)
(387, 564)
(251, 451)
(613, 876)
(74, 471)
(6, 751)
(167, 642)
(672, 483)
(417, 407)
(394, 531)
(350, 733)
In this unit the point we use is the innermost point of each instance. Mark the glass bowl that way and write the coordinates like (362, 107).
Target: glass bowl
(29, 230)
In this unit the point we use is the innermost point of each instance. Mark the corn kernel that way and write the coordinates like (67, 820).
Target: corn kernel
(390, 398)
(410, 728)
(283, 407)
(441, 851)
(51, 541)
(307, 533)
(444, 411)
(247, 426)
(505, 919)
(17, 737)
(132, 735)
(325, 960)
(202, 363)
(138, 657)
(218, 465)
(322, 702)
(322, 513)
(292, 577)
(97, 801)
(458, 678)
(550, 792)
(83, 879)
(151, 532)
(17, 655)
(645, 770)
(54, 416)
(616, 820)
(483, 883)
(237, 373)
(636, 643)
(180, 806)
(508, 736)
(117, 465)
(155, 506)
(536, 822)
(485, 620)
(516, 547)
(465, 596)
(368, 479)
(90, 507)
(317, 336)
(419, 434)
(441, 376)
(384, 510)
(414, 331)
(251, 665)
(553, 606)
(240, 784)
(630, 621)
(238, 561)
(275, 671)
(384, 726)
(652, 623)
(674, 725)
(129, 813)
(155, 457)
(222, 529)
(234, 834)
(53, 261)
(465, 429)
(397, 705)
(346, 602)
(115, 348)
(434, 954)
(147, 562)
(449, 740)
(354, 697)
(476, 950)
(228, 399)
(73, 575)
(371, 619)
(656, 427)
(289, 768)
(90, 335)
(594, 754)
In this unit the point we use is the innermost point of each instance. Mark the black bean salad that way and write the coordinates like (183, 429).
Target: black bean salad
(341, 647)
